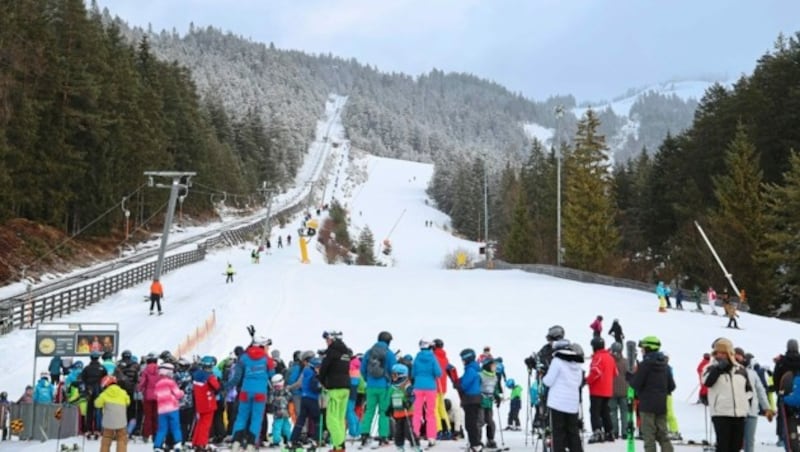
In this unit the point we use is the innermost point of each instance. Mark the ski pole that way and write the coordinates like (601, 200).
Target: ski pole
(528, 410)
(500, 427)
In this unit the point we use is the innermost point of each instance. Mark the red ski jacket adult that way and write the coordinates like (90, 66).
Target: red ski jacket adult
(441, 381)
(601, 374)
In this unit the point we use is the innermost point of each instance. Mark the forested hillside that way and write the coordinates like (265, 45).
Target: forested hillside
(735, 171)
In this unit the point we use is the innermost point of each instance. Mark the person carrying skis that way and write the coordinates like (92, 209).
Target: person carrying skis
(563, 379)
(652, 382)
(334, 375)
(251, 373)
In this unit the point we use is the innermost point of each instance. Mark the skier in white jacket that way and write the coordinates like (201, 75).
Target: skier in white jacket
(563, 380)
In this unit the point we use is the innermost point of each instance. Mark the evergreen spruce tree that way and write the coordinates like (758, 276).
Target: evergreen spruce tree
(737, 224)
(590, 236)
(366, 248)
(518, 246)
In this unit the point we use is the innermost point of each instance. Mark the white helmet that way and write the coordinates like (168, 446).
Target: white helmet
(276, 379)
(262, 341)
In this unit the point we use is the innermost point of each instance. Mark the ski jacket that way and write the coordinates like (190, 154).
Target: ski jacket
(616, 331)
(127, 374)
(204, 390)
(602, 372)
(310, 386)
(91, 376)
(789, 362)
(252, 372)
(148, 380)
(661, 291)
(730, 310)
(109, 366)
(653, 382)
(168, 395)
(469, 385)
(389, 361)
(43, 392)
(114, 402)
(156, 289)
(441, 358)
(425, 371)
(334, 372)
(620, 383)
(295, 370)
(185, 382)
(760, 401)
(279, 401)
(55, 366)
(729, 390)
(596, 326)
(700, 368)
(564, 378)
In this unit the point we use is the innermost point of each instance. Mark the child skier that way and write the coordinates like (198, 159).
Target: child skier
(516, 405)
(400, 396)
(113, 402)
(310, 389)
(279, 401)
(168, 397)
(205, 389)
(489, 396)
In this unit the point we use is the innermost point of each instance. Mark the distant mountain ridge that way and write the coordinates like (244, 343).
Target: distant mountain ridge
(434, 117)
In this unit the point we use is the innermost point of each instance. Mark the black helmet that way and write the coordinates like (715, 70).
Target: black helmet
(438, 343)
(598, 343)
(151, 358)
(555, 333)
(616, 348)
(296, 355)
(127, 354)
(107, 356)
(385, 336)
(467, 355)
(166, 355)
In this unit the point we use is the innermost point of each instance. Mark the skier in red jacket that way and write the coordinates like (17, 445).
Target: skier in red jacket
(602, 371)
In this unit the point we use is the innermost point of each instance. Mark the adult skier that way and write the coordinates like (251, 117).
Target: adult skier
(652, 383)
(563, 379)
(376, 368)
(251, 374)
(334, 375)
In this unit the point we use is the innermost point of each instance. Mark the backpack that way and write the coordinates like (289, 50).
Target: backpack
(376, 366)
(792, 399)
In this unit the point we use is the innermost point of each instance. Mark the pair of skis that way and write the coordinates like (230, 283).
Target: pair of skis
(630, 349)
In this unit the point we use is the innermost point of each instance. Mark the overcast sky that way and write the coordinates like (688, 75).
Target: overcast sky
(593, 49)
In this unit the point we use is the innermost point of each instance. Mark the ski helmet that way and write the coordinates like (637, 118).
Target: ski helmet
(598, 343)
(332, 335)
(561, 344)
(94, 355)
(108, 356)
(184, 364)
(510, 383)
(296, 355)
(616, 348)
(650, 344)
(467, 355)
(77, 365)
(166, 355)
(385, 336)
(315, 362)
(438, 343)
(151, 358)
(208, 362)
(556, 332)
(400, 370)
(262, 341)
(166, 369)
(424, 344)
(306, 355)
(576, 347)
(127, 354)
(276, 380)
(107, 380)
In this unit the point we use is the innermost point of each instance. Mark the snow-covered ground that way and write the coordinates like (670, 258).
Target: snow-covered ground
(540, 132)
(688, 89)
(293, 303)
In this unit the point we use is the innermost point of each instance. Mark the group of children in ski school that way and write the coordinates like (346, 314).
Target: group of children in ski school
(663, 292)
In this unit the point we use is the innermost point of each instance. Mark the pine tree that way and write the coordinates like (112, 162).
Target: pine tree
(538, 179)
(737, 225)
(366, 248)
(781, 251)
(518, 246)
(590, 236)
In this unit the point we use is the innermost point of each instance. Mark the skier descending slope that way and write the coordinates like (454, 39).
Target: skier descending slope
(252, 372)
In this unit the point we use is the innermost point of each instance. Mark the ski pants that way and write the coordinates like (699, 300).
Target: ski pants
(654, 431)
(750, 424)
(442, 419)
(566, 431)
(155, 300)
(150, 418)
(281, 429)
(119, 435)
(377, 398)
(486, 417)
(600, 414)
(618, 406)
(335, 415)
(730, 433)
(472, 424)
(402, 432)
(201, 429)
(309, 412)
(250, 413)
(168, 423)
(353, 423)
(425, 398)
(513, 413)
(187, 420)
(672, 419)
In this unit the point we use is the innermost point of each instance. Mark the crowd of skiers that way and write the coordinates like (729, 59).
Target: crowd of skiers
(664, 292)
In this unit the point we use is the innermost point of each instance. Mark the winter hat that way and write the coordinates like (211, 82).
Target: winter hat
(723, 345)
(355, 364)
(791, 346)
(739, 351)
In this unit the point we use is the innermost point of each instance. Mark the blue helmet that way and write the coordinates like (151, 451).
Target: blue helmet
(510, 383)
(77, 365)
(400, 369)
(208, 362)
(467, 355)
(315, 362)
(94, 355)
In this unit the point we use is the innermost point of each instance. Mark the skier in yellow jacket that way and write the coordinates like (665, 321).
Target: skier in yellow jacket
(114, 402)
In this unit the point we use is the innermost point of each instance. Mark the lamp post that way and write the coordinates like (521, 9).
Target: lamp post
(559, 111)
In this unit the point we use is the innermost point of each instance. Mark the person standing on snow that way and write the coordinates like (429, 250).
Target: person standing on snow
(563, 379)
(616, 331)
(618, 404)
(334, 375)
(602, 372)
(442, 419)
(251, 373)
(597, 326)
(376, 368)
(469, 389)
(156, 294)
(653, 382)
(759, 404)
(424, 373)
(229, 272)
(729, 394)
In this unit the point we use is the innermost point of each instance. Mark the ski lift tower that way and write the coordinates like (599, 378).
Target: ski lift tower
(177, 178)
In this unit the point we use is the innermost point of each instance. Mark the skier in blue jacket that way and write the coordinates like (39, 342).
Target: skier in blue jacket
(252, 372)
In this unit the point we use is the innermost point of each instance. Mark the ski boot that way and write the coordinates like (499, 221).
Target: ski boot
(597, 437)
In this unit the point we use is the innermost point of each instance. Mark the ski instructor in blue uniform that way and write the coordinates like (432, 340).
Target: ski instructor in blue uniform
(251, 374)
